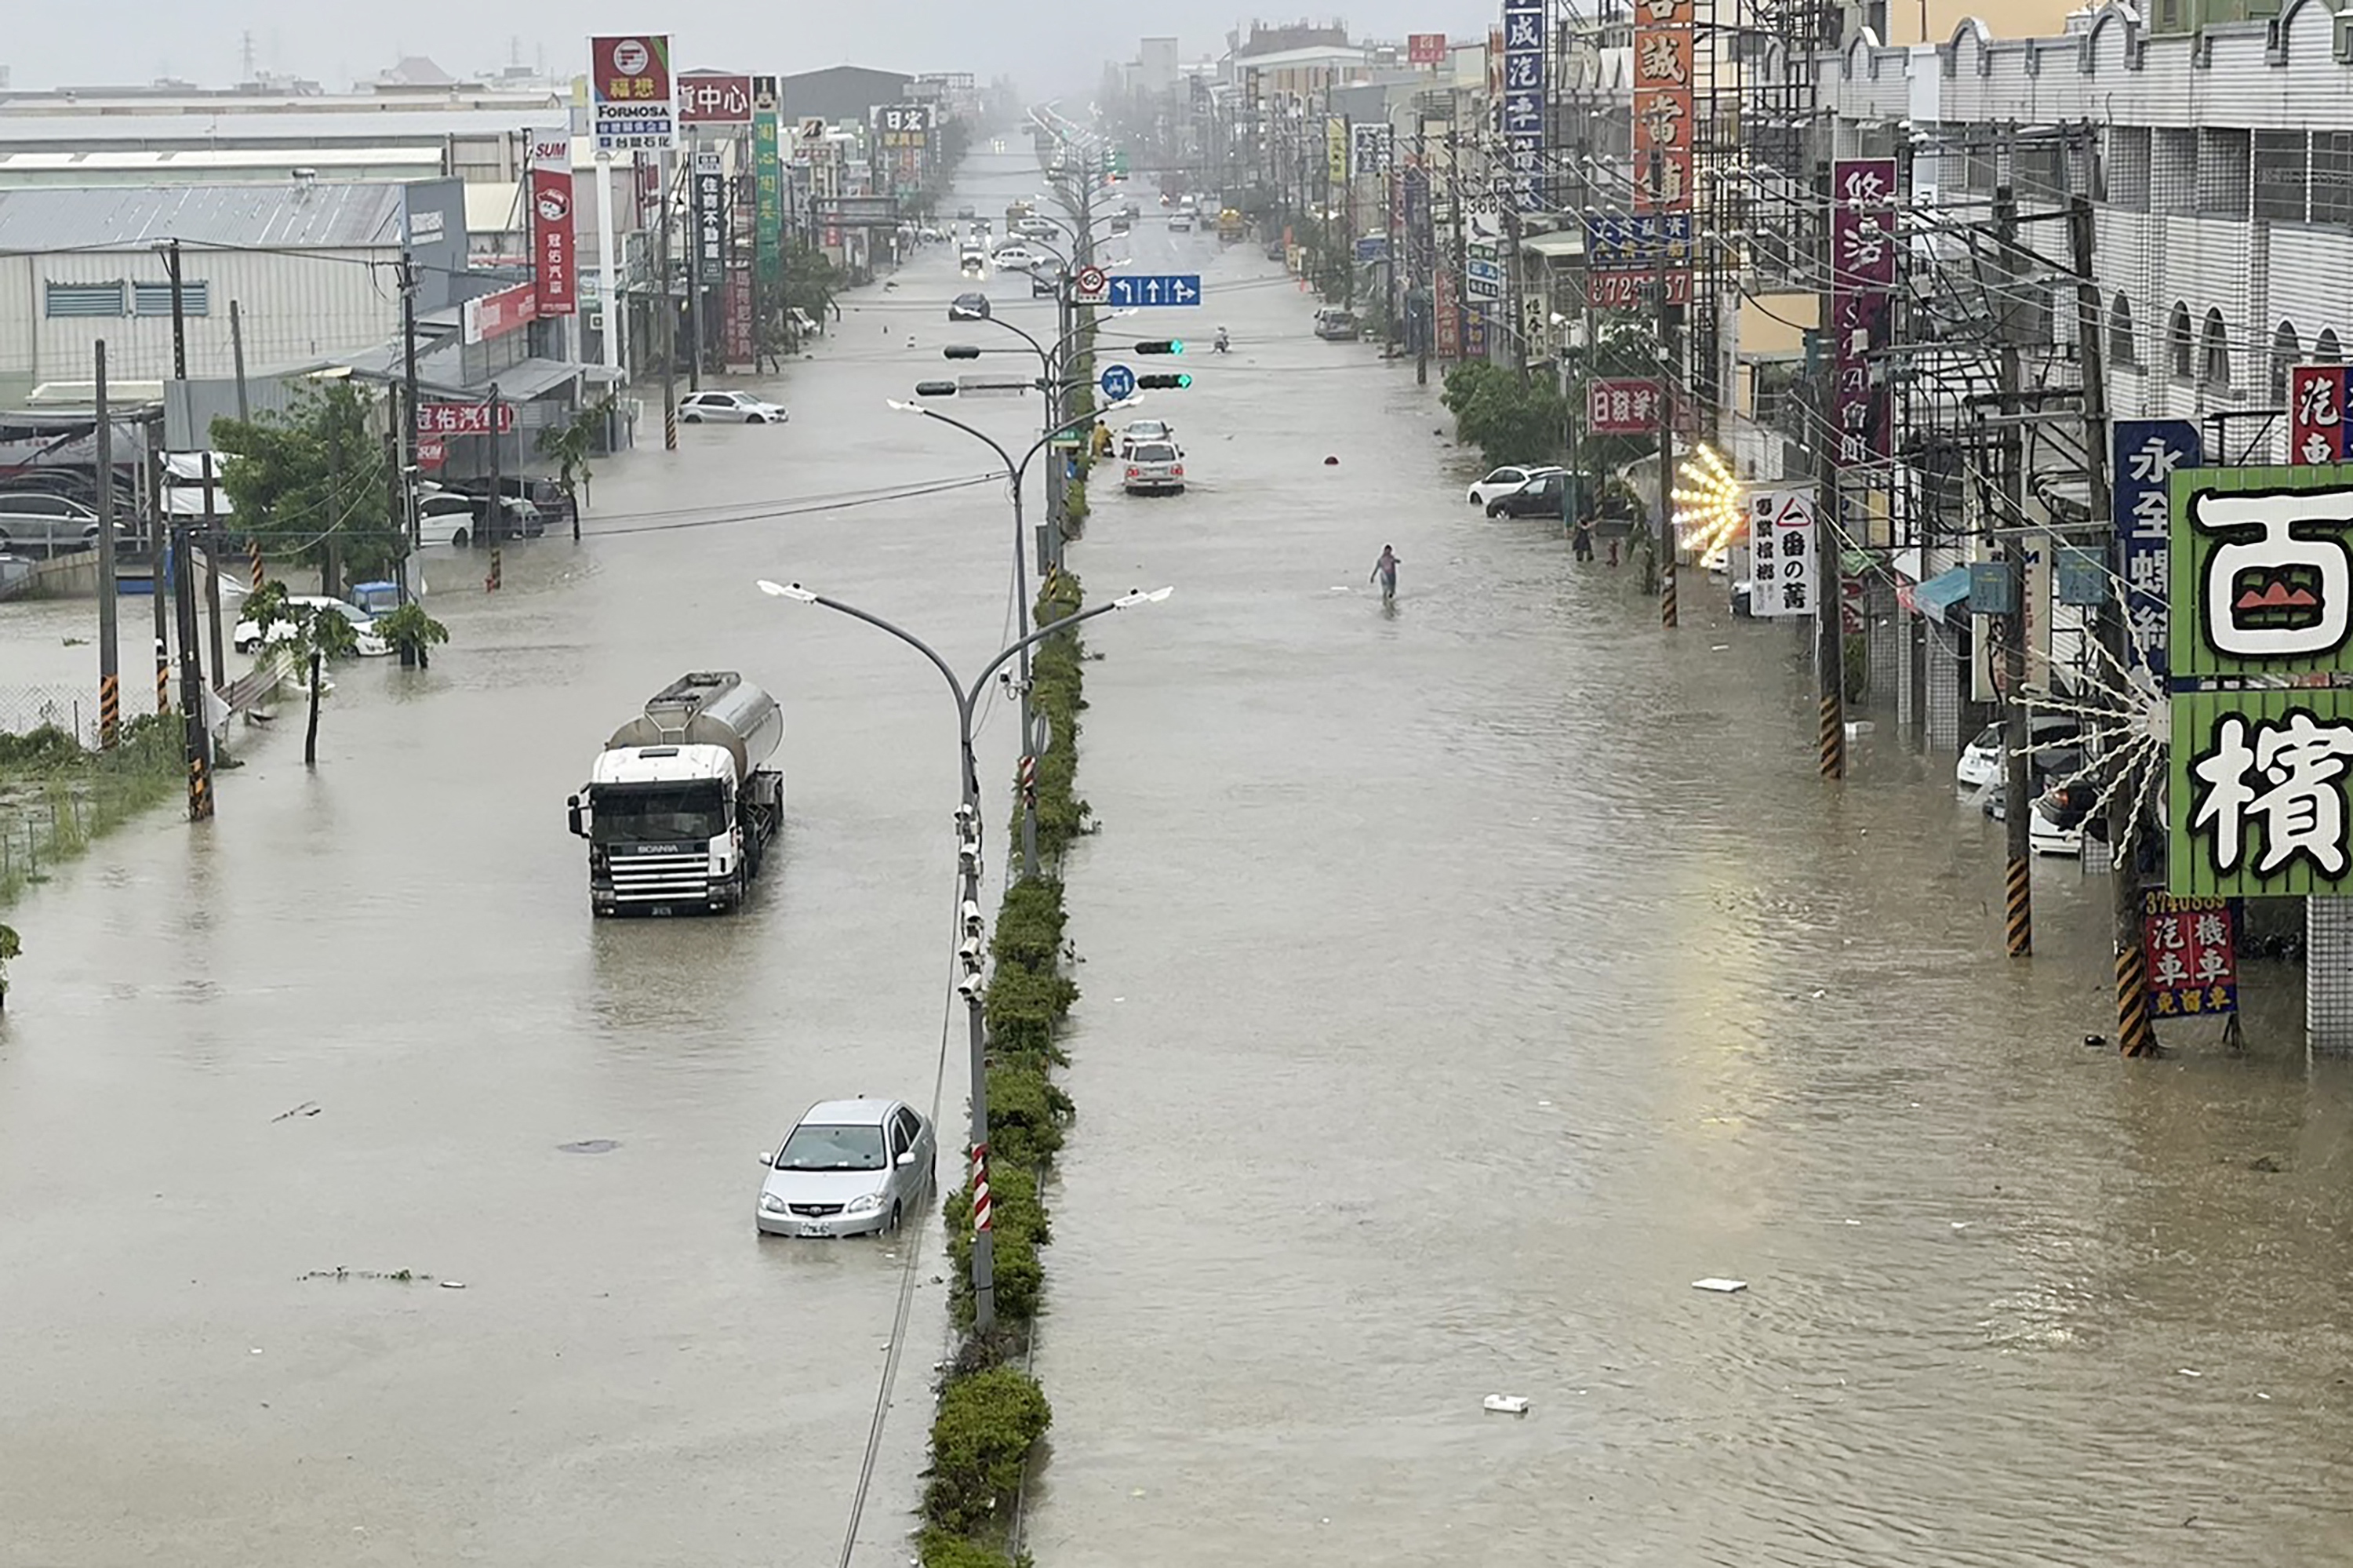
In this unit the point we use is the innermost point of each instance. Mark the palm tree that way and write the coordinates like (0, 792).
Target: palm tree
(571, 445)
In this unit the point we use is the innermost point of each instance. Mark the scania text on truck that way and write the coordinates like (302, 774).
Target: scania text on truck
(678, 811)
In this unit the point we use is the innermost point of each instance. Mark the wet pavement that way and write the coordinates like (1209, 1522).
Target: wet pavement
(1461, 984)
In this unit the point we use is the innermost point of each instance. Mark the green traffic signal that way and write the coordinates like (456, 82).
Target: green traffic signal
(1162, 382)
(1162, 346)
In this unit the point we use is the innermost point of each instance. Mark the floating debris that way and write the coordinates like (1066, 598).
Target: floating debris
(589, 1146)
(308, 1107)
(1722, 1287)
(1505, 1404)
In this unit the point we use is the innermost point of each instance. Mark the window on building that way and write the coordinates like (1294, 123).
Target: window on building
(2224, 157)
(2122, 350)
(2214, 354)
(2286, 351)
(2173, 170)
(2331, 176)
(2039, 171)
(156, 299)
(2127, 167)
(2324, 350)
(1981, 176)
(2179, 348)
(82, 299)
(2282, 178)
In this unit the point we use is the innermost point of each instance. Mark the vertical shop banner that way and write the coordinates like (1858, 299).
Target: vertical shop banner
(2147, 451)
(1862, 308)
(1782, 553)
(1369, 147)
(552, 237)
(767, 172)
(1523, 101)
(632, 99)
(2315, 413)
(2261, 649)
(1662, 105)
(1449, 316)
(1335, 150)
(710, 218)
(1419, 240)
(1474, 332)
(2191, 946)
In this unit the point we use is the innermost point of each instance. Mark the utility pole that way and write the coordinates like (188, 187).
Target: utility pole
(212, 521)
(406, 410)
(1514, 300)
(2135, 1036)
(212, 575)
(1417, 247)
(1670, 376)
(2018, 762)
(236, 359)
(495, 509)
(159, 555)
(694, 260)
(109, 670)
(669, 311)
(1829, 639)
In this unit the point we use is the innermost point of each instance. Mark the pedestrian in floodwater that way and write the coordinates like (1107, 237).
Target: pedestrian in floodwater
(1385, 573)
(1581, 536)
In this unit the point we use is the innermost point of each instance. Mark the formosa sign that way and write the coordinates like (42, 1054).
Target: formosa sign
(2262, 633)
(632, 100)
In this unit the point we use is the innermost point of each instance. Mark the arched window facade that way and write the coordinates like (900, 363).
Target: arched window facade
(2180, 351)
(2214, 354)
(2122, 349)
(2287, 351)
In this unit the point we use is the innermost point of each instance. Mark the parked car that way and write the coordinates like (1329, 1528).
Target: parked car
(1141, 430)
(1044, 281)
(1016, 258)
(1338, 326)
(969, 307)
(1544, 495)
(1154, 467)
(33, 525)
(1180, 223)
(1500, 482)
(848, 1167)
(730, 407)
(1980, 765)
(554, 507)
(247, 638)
(1038, 227)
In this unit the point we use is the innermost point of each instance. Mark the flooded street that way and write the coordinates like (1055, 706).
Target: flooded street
(1461, 984)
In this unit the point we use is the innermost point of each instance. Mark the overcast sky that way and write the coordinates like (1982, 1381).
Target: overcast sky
(1049, 47)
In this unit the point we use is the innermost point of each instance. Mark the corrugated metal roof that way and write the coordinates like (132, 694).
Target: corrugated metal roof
(379, 128)
(324, 217)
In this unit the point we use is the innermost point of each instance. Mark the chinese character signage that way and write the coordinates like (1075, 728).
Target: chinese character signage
(2315, 413)
(1335, 150)
(1522, 101)
(739, 335)
(489, 316)
(900, 126)
(2146, 453)
(768, 215)
(1781, 552)
(1449, 316)
(462, 418)
(2261, 614)
(1619, 290)
(712, 98)
(710, 218)
(1425, 48)
(2191, 946)
(1483, 270)
(1862, 300)
(553, 239)
(630, 106)
(1617, 408)
(1662, 105)
(1369, 148)
(1649, 240)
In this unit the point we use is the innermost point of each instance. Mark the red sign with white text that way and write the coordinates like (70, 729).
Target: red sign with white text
(462, 418)
(1606, 289)
(1425, 48)
(495, 315)
(1619, 407)
(553, 241)
(714, 99)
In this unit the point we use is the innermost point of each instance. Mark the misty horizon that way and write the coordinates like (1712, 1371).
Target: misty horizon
(1056, 51)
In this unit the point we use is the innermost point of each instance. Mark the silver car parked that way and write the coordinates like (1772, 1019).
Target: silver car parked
(849, 1168)
(33, 525)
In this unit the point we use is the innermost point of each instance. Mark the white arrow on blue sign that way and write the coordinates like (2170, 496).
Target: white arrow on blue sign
(1118, 382)
(1162, 288)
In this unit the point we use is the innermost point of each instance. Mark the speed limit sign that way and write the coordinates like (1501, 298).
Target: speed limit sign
(1090, 286)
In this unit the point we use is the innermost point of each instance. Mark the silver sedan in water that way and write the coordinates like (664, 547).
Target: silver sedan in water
(849, 1168)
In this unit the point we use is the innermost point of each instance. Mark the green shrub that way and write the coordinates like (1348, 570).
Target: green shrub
(939, 1549)
(1020, 1226)
(1027, 1113)
(1029, 923)
(987, 1426)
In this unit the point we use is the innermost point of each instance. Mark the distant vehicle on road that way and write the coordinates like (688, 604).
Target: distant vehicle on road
(1154, 467)
(1546, 495)
(1016, 259)
(1141, 430)
(1038, 227)
(1121, 223)
(678, 811)
(34, 524)
(378, 597)
(1180, 223)
(969, 307)
(973, 260)
(546, 494)
(1044, 279)
(1502, 481)
(1337, 326)
(1231, 225)
(247, 638)
(848, 1167)
(728, 408)
(1980, 765)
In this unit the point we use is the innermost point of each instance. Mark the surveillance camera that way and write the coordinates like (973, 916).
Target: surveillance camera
(965, 813)
(969, 951)
(971, 987)
(972, 920)
(970, 851)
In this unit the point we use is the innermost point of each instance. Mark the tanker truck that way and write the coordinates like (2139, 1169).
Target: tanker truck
(678, 811)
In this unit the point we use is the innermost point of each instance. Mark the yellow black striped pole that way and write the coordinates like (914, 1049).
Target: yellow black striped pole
(162, 678)
(1667, 588)
(2017, 912)
(253, 562)
(670, 429)
(200, 791)
(490, 583)
(110, 711)
(1833, 738)
(2135, 1036)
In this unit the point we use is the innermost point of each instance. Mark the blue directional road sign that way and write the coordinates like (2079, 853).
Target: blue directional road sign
(1118, 382)
(1164, 289)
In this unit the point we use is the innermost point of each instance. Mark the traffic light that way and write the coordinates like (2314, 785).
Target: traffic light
(935, 388)
(1164, 346)
(1162, 382)
(960, 351)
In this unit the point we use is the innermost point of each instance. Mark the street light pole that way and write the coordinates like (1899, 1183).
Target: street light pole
(969, 839)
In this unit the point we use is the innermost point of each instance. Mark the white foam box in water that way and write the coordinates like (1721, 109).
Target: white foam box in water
(1505, 1404)
(1725, 1285)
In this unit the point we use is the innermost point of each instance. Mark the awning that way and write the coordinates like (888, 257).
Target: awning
(1937, 595)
